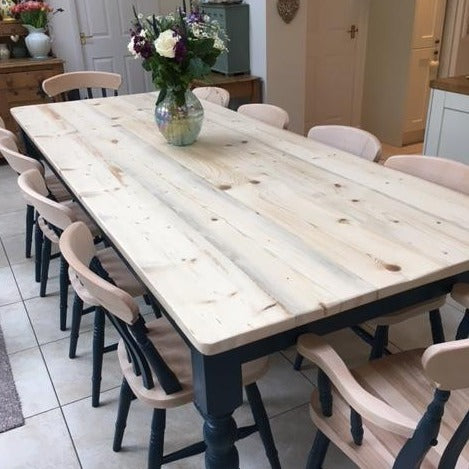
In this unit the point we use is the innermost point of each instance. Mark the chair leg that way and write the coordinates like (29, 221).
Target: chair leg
(45, 261)
(298, 362)
(438, 333)
(318, 451)
(263, 426)
(98, 351)
(64, 281)
(75, 329)
(380, 342)
(125, 399)
(38, 240)
(463, 329)
(356, 427)
(158, 426)
(29, 229)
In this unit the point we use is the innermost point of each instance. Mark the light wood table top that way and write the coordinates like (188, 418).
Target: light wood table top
(252, 230)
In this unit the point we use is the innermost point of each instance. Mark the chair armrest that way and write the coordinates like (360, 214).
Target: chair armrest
(318, 351)
(446, 364)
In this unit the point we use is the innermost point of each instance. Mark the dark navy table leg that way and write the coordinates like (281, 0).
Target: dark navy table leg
(218, 392)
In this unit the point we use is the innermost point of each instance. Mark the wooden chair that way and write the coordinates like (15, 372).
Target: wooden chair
(448, 173)
(2, 123)
(20, 163)
(214, 94)
(58, 87)
(5, 133)
(155, 361)
(350, 139)
(460, 293)
(268, 113)
(53, 218)
(401, 399)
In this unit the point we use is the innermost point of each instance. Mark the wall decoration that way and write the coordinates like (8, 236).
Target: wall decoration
(288, 9)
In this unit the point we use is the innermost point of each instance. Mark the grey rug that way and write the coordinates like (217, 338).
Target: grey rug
(10, 405)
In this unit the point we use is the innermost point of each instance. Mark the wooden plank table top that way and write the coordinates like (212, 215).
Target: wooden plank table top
(252, 230)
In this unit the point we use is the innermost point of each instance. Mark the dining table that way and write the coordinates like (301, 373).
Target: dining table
(252, 235)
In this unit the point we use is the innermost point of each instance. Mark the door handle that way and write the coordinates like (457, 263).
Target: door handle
(83, 38)
(353, 31)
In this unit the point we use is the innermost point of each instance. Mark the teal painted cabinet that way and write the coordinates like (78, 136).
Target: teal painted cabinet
(234, 19)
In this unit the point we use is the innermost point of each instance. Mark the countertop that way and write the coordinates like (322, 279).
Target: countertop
(458, 84)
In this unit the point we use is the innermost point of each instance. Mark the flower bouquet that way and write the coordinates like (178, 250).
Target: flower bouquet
(177, 49)
(32, 13)
(34, 16)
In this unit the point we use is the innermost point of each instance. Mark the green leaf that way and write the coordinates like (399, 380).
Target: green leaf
(162, 94)
(198, 68)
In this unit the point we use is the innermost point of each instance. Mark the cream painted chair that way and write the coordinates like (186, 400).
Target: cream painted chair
(53, 219)
(58, 86)
(8, 134)
(20, 163)
(214, 94)
(268, 113)
(401, 399)
(155, 361)
(2, 123)
(351, 139)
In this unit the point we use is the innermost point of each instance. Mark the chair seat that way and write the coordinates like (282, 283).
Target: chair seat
(398, 380)
(56, 188)
(116, 269)
(178, 357)
(410, 312)
(460, 293)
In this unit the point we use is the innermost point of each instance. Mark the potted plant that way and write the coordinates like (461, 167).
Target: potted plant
(34, 17)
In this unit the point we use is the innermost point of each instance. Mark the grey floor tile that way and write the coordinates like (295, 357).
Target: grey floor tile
(10, 198)
(16, 328)
(42, 443)
(29, 288)
(9, 292)
(72, 378)
(32, 382)
(15, 248)
(44, 315)
(12, 222)
(3, 257)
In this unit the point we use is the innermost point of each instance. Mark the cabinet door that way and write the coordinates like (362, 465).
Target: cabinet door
(428, 24)
(423, 68)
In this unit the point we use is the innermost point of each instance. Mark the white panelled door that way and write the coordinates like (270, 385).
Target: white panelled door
(104, 26)
(335, 60)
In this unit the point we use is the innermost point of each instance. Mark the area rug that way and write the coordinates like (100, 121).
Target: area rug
(10, 405)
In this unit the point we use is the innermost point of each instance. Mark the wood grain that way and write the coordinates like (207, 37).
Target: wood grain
(252, 230)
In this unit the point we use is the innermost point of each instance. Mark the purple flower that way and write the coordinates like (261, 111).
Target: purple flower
(180, 51)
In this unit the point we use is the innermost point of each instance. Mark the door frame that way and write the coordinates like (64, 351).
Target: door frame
(360, 64)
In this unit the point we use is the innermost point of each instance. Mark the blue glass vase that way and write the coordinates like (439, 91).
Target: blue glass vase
(180, 125)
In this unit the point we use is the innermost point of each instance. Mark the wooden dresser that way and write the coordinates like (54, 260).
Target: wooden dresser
(20, 84)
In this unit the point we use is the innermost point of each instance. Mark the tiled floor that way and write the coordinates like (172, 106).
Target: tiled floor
(63, 431)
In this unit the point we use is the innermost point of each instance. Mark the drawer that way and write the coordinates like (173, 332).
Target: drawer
(20, 80)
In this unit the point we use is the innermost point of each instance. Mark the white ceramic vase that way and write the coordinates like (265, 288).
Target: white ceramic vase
(37, 42)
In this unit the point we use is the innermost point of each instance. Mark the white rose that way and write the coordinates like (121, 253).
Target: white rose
(131, 48)
(219, 44)
(166, 43)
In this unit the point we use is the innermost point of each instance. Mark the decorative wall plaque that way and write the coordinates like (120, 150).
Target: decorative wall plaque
(287, 9)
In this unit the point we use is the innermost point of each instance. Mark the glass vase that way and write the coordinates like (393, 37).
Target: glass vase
(179, 125)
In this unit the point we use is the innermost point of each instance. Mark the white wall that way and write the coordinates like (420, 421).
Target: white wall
(286, 63)
(66, 35)
(258, 39)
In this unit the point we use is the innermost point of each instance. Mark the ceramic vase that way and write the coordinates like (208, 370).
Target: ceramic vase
(179, 124)
(37, 42)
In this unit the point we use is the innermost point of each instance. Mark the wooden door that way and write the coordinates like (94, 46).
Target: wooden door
(428, 26)
(336, 39)
(105, 26)
(423, 69)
